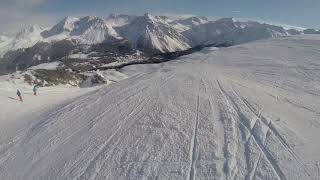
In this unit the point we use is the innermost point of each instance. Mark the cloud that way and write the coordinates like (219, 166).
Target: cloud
(18, 14)
(236, 11)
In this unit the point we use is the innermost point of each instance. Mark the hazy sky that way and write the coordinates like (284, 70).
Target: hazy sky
(17, 14)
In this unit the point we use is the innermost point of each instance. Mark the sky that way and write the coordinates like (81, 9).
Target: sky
(18, 14)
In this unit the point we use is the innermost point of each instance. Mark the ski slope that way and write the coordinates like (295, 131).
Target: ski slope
(245, 112)
(15, 115)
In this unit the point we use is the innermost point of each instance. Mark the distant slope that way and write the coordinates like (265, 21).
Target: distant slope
(245, 112)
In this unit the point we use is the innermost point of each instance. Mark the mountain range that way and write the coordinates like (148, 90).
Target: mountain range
(147, 32)
(91, 42)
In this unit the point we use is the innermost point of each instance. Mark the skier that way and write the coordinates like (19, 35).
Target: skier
(19, 95)
(35, 88)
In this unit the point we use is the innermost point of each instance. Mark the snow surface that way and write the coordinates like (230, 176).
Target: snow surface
(14, 114)
(245, 112)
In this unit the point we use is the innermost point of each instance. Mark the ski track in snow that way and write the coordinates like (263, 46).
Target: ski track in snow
(233, 113)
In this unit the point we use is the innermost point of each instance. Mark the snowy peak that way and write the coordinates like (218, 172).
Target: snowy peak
(67, 24)
(93, 30)
(87, 23)
(147, 32)
(152, 19)
(64, 26)
(154, 33)
(86, 30)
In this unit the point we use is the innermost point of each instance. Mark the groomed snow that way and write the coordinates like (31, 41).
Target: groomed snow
(244, 112)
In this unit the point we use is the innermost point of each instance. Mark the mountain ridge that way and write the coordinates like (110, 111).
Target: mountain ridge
(91, 42)
(163, 31)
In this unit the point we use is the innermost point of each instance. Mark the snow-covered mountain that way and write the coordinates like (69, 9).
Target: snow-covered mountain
(26, 38)
(91, 42)
(86, 30)
(147, 33)
(154, 33)
(64, 27)
(231, 31)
